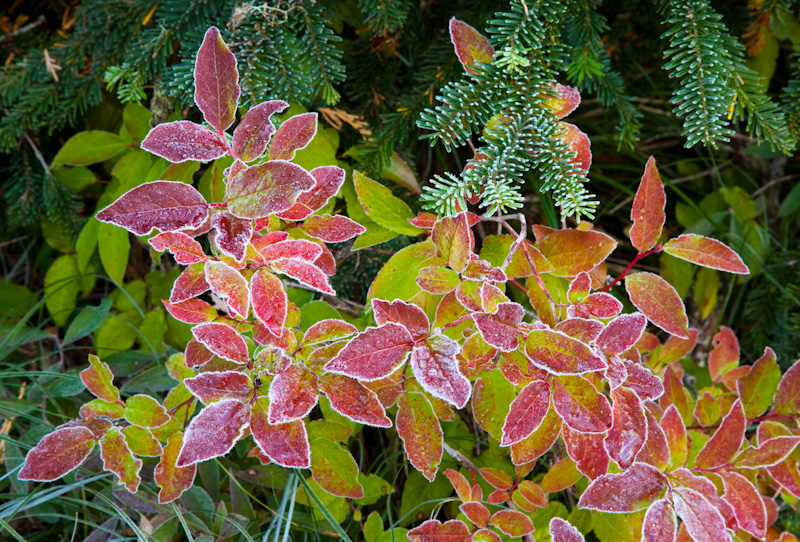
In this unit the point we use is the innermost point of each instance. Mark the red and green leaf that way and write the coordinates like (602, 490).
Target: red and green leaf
(622, 333)
(418, 427)
(726, 441)
(471, 46)
(660, 523)
(659, 302)
(408, 315)
(453, 241)
(118, 458)
(574, 251)
(787, 400)
(266, 189)
(99, 380)
(769, 453)
(144, 411)
(647, 212)
(435, 531)
(191, 311)
(629, 430)
(526, 412)
(633, 490)
(233, 234)
(563, 531)
(191, 283)
(230, 285)
(294, 134)
(725, 355)
(759, 385)
(500, 329)
(512, 523)
(437, 280)
(171, 479)
(748, 507)
(353, 400)
(332, 228)
(334, 469)
(185, 249)
(587, 451)
(57, 454)
(558, 353)
(580, 405)
(706, 252)
(703, 522)
(268, 297)
(329, 180)
(304, 273)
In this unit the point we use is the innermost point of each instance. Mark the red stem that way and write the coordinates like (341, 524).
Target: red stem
(638, 257)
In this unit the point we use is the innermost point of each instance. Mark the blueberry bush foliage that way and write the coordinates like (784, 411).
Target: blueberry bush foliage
(587, 379)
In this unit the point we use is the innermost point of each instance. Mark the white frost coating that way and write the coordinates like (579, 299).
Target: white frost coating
(230, 285)
(435, 366)
(214, 431)
(233, 234)
(292, 395)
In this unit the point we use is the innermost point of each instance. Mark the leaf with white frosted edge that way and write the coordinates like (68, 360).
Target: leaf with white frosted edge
(435, 366)
(300, 249)
(647, 211)
(563, 531)
(230, 285)
(269, 301)
(304, 273)
(677, 441)
(334, 469)
(437, 280)
(421, 433)
(587, 451)
(558, 353)
(233, 234)
(512, 523)
(633, 490)
(453, 241)
(706, 252)
(684, 479)
(161, 205)
(190, 283)
(184, 140)
(196, 354)
(400, 312)
(628, 432)
(580, 405)
(292, 394)
(703, 522)
(373, 354)
(171, 479)
(470, 45)
(214, 431)
(641, 380)
(353, 400)
(622, 333)
(142, 442)
(285, 444)
(332, 228)
(769, 453)
(433, 530)
(726, 441)
(118, 458)
(294, 134)
(185, 249)
(328, 330)
(582, 329)
(500, 329)
(144, 411)
(758, 387)
(601, 305)
(222, 340)
(748, 507)
(57, 454)
(99, 380)
(476, 512)
(329, 180)
(660, 523)
(216, 81)
(216, 386)
(191, 311)
(573, 251)
(266, 189)
(656, 449)
(787, 399)
(526, 412)
(254, 131)
(659, 302)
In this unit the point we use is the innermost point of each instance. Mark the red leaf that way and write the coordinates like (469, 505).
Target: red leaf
(173, 480)
(622, 333)
(660, 523)
(675, 431)
(629, 430)
(568, 100)
(748, 507)
(675, 348)
(787, 400)
(191, 283)
(373, 354)
(702, 485)
(770, 452)
(418, 427)
(435, 366)
(285, 444)
(471, 46)
(512, 523)
(294, 134)
(526, 412)
(266, 189)
(269, 301)
(434, 531)
(118, 458)
(725, 355)
(252, 135)
(191, 311)
(223, 341)
(578, 142)
(726, 441)
(326, 262)
(99, 380)
(476, 513)
(57, 454)
(703, 522)
(601, 305)
(658, 300)
(354, 401)
(211, 387)
(301, 249)
(329, 180)
(562, 531)
(216, 81)
(328, 330)
(574, 251)
(634, 489)
(183, 140)
(539, 442)
(292, 395)
(460, 484)
(214, 431)
(233, 234)
(587, 451)
(332, 229)
(500, 329)
(304, 273)
(185, 249)
(580, 405)
(706, 252)
(647, 212)
(453, 241)
(558, 353)
(197, 354)
(582, 329)
(163, 205)
(230, 285)
(407, 315)
(655, 450)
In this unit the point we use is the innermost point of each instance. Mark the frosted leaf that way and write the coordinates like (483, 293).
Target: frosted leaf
(562, 531)
(210, 387)
(214, 431)
(252, 134)
(354, 401)
(216, 81)
(434, 531)
(587, 451)
(629, 430)
(559, 353)
(184, 140)
(230, 285)
(580, 405)
(400, 312)
(292, 394)
(286, 444)
(300, 249)
(222, 340)
(268, 297)
(304, 273)
(233, 234)
(266, 189)
(191, 311)
(329, 180)
(373, 354)
(622, 333)
(633, 490)
(435, 366)
(185, 249)
(191, 283)
(500, 329)
(57, 454)
(332, 229)
(294, 134)
(526, 412)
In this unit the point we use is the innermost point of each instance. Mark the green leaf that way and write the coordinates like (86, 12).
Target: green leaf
(153, 329)
(114, 335)
(791, 203)
(334, 469)
(114, 248)
(211, 184)
(491, 400)
(373, 527)
(87, 243)
(743, 206)
(76, 178)
(333, 509)
(374, 235)
(375, 487)
(61, 288)
(316, 311)
(145, 412)
(320, 151)
(57, 236)
(87, 320)
(136, 121)
(381, 206)
(420, 496)
(90, 147)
